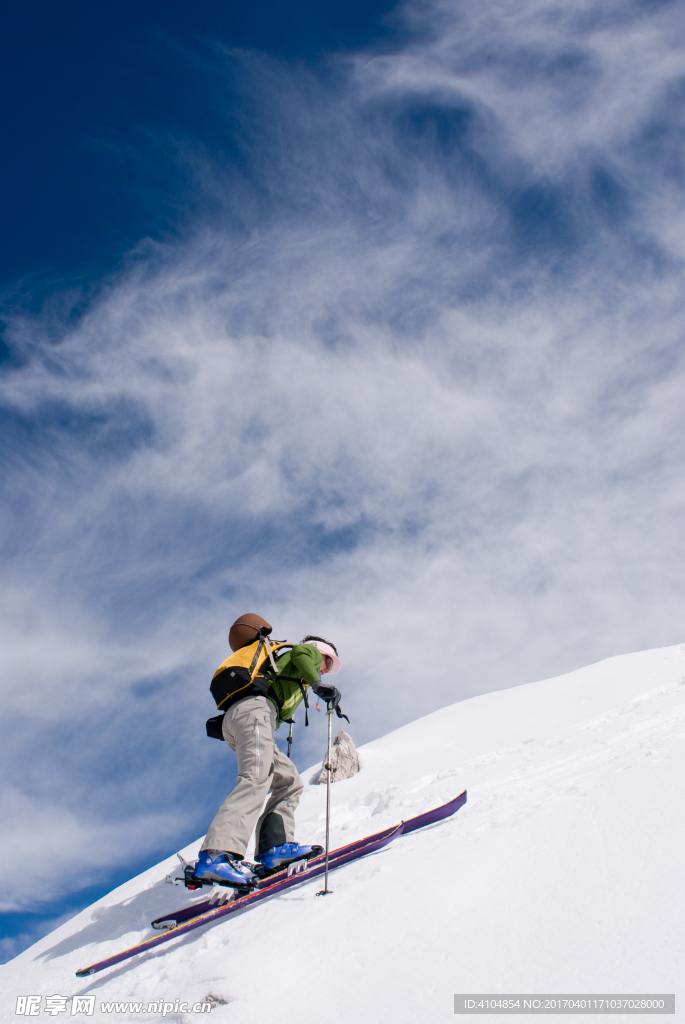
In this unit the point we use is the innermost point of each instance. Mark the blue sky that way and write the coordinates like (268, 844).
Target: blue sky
(366, 319)
(94, 94)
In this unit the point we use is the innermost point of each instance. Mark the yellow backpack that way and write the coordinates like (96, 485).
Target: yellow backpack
(240, 674)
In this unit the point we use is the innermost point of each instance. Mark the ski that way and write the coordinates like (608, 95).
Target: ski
(209, 917)
(437, 814)
(279, 883)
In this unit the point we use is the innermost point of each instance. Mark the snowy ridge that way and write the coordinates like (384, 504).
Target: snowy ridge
(562, 873)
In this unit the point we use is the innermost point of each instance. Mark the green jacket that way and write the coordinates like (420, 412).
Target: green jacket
(298, 668)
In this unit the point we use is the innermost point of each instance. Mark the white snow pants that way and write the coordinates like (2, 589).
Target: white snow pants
(249, 728)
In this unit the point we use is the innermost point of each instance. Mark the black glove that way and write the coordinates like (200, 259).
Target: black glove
(331, 695)
(327, 693)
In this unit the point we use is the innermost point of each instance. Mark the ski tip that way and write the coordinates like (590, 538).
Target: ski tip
(85, 972)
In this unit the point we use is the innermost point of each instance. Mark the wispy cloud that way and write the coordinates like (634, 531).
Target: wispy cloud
(417, 385)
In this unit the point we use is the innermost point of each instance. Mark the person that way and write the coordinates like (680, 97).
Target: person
(255, 712)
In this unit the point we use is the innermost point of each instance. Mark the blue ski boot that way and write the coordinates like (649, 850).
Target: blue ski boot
(278, 856)
(224, 868)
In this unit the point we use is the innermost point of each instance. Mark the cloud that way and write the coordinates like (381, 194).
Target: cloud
(51, 847)
(416, 384)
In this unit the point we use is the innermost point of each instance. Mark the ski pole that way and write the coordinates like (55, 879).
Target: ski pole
(329, 708)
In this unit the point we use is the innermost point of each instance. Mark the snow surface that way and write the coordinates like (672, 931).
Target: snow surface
(562, 874)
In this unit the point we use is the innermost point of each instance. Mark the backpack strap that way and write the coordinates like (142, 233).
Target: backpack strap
(306, 702)
(255, 660)
(267, 644)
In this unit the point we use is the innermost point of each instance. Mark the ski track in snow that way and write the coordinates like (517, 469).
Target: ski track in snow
(561, 874)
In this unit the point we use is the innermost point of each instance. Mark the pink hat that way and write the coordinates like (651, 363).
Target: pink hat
(328, 650)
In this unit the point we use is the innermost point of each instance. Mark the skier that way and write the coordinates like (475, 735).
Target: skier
(255, 710)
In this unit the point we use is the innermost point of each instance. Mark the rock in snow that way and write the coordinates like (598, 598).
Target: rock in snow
(344, 760)
(562, 874)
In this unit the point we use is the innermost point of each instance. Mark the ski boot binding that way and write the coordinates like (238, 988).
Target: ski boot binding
(219, 868)
(290, 855)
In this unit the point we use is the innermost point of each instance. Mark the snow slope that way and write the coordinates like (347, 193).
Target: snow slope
(563, 873)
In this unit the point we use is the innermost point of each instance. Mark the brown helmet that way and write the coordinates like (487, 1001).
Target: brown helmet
(246, 629)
